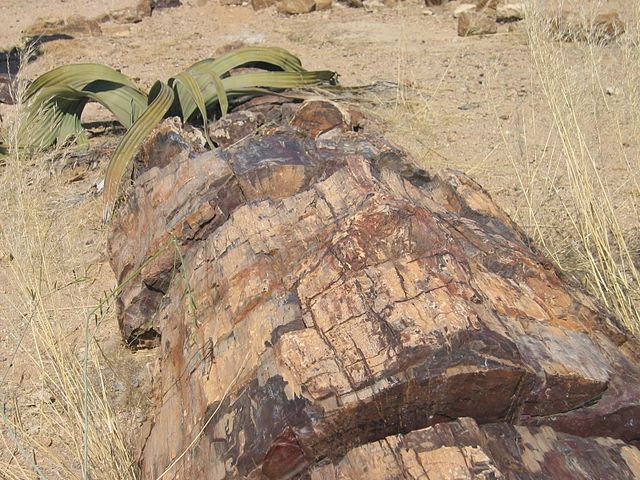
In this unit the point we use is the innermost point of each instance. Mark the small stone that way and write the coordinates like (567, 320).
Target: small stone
(126, 15)
(165, 4)
(607, 27)
(6, 256)
(465, 7)
(469, 106)
(83, 25)
(477, 22)
(511, 12)
(323, 5)
(145, 7)
(295, 7)
(318, 116)
(261, 4)
(427, 12)
(570, 27)
(373, 5)
(43, 26)
(51, 27)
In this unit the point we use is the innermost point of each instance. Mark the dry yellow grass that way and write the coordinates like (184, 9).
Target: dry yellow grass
(57, 420)
(581, 189)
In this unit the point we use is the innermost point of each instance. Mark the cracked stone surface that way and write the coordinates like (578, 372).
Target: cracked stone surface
(310, 293)
(464, 450)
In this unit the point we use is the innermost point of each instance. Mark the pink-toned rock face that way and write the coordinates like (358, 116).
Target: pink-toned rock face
(311, 291)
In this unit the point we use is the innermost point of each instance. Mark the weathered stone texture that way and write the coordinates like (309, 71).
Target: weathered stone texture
(464, 450)
(312, 291)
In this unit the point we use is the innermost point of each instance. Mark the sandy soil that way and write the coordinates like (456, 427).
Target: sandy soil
(462, 85)
(464, 103)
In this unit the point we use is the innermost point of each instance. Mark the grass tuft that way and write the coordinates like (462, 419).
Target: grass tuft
(582, 187)
(57, 418)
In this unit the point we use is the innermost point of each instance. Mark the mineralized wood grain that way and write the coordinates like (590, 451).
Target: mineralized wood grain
(311, 291)
(464, 450)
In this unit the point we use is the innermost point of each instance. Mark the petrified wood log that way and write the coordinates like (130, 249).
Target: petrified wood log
(311, 292)
(464, 450)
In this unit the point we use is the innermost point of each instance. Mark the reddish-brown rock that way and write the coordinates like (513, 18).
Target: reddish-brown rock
(295, 7)
(312, 291)
(260, 4)
(317, 117)
(464, 450)
(479, 21)
(43, 28)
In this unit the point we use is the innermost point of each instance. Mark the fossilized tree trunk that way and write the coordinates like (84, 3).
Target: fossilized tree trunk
(322, 308)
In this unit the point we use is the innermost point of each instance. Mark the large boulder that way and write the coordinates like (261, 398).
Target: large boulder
(312, 293)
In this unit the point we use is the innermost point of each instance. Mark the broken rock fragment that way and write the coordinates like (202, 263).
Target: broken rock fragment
(464, 449)
(481, 20)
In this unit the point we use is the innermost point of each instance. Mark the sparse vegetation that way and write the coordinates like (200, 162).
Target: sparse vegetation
(47, 296)
(60, 423)
(56, 99)
(582, 188)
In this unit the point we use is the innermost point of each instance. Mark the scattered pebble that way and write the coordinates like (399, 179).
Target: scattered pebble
(469, 106)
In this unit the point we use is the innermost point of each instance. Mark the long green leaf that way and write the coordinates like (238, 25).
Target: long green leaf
(124, 102)
(256, 80)
(77, 76)
(162, 96)
(209, 73)
(258, 83)
(187, 89)
(276, 58)
(51, 121)
(221, 93)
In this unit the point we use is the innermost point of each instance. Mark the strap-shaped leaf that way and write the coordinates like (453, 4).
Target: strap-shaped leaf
(188, 92)
(208, 73)
(162, 96)
(125, 102)
(266, 57)
(258, 83)
(70, 126)
(212, 79)
(50, 121)
(77, 76)
(221, 93)
(45, 127)
(277, 79)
